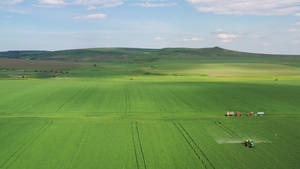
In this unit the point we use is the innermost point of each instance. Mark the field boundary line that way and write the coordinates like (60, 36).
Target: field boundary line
(137, 145)
(155, 100)
(83, 139)
(139, 139)
(136, 157)
(184, 101)
(3, 124)
(127, 101)
(187, 141)
(196, 145)
(107, 116)
(73, 98)
(227, 130)
(27, 144)
(99, 99)
(236, 98)
(230, 130)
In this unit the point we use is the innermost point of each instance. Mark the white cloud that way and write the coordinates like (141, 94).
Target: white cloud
(297, 14)
(158, 38)
(53, 2)
(18, 11)
(10, 2)
(218, 31)
(108, 3)
(92, 16)
(293, 30)
(46, 6)
(147, 4)
(191, 39)
(243, 7)
(153, 3)
(226, 38)
(296, 42)
(90, 3)
(298, 23)
(196, 39)
(266, 44)
(90, 8)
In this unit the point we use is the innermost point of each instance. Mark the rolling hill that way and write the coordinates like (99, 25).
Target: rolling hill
(148, 108)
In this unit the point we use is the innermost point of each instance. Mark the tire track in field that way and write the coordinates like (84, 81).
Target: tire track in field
(127, 101)
(138, 148)
(26, 145)
(155, 100)
(100, 99)
(196, 145)
(136, 157)
(188, 142)
(3, 124)
(73, 98)
(238, 99)
(183, 101)
(81, 144)
(227, 130)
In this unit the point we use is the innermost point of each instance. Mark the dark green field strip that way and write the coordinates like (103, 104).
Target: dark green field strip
(272, 98)
(2, 125)
(227, 130)
(164, 148)
(138, 148)
(238, 103)
(169, 142)
(181, 96)
(111, 101)
(96, 95)
(19, 95)
(15, 136)
(75, 159)
(168, 101)
(202, 157)
(127, 98)
(97, 98)
(135, 146)
(155, 100)
(106, 143)
(76, 143)
(75, 99)
(13, 157)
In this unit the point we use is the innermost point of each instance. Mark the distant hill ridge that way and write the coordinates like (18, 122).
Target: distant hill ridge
(131, 53)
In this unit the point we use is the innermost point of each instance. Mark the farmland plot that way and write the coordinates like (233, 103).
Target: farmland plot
(80, 142)
(96, 98)
(66, 143)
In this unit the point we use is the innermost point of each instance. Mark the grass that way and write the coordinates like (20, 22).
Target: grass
(147, 142)
(151, 109)
(98, 98)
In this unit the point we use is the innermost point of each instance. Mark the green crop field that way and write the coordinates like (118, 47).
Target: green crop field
(142, 108)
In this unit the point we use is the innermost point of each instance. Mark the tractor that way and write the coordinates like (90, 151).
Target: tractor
(249, 143)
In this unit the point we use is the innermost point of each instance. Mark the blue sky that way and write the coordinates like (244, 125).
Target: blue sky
(260, 26)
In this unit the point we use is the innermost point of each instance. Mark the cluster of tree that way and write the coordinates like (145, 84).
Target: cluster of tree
(22, 54)
(56, 71)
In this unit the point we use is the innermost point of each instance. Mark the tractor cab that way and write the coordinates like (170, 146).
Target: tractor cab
(249, 143)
